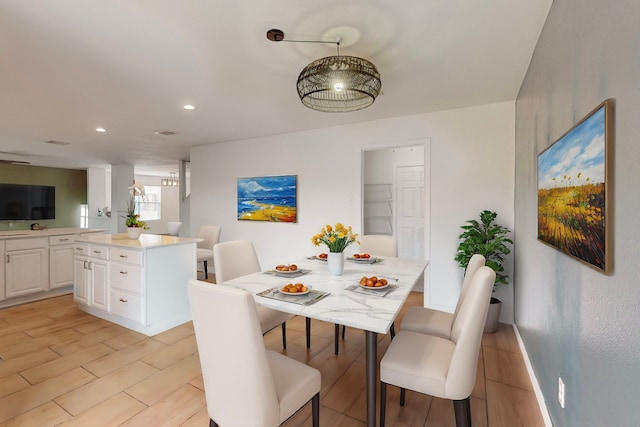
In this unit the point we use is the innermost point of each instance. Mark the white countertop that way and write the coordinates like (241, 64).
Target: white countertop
(145, 241)
(21, 234)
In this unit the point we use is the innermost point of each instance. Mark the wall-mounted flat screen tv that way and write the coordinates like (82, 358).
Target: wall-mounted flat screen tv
(27, 202)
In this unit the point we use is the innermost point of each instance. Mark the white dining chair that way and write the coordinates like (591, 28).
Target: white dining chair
(440, 367)
(238, 258)
(379, 244)
(245, 384)
(373, 244)
(436, 322)
(173, 227)
(211, 236)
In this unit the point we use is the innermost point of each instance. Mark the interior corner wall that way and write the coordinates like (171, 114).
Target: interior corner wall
(577, 323)
(472, 168)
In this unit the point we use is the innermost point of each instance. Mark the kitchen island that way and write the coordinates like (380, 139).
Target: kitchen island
(140, 284)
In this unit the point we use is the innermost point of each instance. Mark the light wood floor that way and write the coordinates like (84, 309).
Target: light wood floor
(61, 366)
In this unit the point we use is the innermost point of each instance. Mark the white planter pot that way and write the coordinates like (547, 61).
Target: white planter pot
(493, 315)
(134, 232)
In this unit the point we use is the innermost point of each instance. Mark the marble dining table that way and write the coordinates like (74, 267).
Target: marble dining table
(346, 303)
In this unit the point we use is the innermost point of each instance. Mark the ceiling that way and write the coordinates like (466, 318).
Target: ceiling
(129, 66)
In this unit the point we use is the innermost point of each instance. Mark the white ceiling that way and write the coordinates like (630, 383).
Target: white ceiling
(69, 66)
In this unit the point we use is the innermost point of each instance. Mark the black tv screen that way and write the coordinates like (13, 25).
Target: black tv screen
(27, 202)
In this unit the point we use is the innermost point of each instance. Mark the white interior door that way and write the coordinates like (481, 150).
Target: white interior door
(410, 205)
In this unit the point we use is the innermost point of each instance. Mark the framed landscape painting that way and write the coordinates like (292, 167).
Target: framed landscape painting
(268, 198)
(573, 190)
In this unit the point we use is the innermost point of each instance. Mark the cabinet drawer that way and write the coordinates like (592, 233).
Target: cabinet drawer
(99, 252)
(126, 255)
(127, 305)
(62, 240)
(20, 244)
(126, 277)
(80, 249)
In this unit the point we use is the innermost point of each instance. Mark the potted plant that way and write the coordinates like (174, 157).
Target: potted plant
(132, 220)
(489, 239)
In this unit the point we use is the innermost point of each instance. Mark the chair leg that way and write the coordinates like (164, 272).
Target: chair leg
(383, 402)
(403, 392)
(284, 335)
(206, 276)
(335, 340)
(308, 327)
(315, 410)
(393, 330)
(212, 423)
(344, 328)
(462, 409)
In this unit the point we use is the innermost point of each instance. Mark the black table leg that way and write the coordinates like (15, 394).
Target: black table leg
(372, 360)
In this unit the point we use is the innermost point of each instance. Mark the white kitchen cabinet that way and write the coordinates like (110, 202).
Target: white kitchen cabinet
(2, 261)
(146, 281)
(91, 275)
(26, 266)
(61, 260)
(38, 264)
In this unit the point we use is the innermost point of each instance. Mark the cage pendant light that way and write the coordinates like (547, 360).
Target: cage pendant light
(335, 84)
(339, 84)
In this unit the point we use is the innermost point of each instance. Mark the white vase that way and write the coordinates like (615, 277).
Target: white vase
(134, 232)
(335, 262)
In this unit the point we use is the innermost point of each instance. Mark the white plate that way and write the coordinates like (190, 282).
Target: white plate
(371, 260)
(297, 293)
(373, 288)
(318, 258)
(285, 272)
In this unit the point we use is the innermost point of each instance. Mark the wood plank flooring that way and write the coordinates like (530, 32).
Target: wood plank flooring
(62, 367)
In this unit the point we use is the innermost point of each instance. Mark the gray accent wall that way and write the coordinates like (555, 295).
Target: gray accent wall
(576, 322)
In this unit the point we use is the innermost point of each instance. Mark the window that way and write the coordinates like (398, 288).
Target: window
(84, 216)
(149, 207)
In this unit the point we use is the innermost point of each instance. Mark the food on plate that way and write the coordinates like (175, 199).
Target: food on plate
(373, 282)
(290, 267)
(323, 256)
(362, 256)
(297, 288)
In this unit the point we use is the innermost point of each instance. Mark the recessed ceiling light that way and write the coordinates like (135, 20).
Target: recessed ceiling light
(165, 132)
(189, 107)
(101, 130)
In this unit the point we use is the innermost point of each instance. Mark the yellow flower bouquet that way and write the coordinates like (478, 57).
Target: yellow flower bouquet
(336, 238)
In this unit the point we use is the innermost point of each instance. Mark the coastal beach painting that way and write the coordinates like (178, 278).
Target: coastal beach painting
(572, 190)
(268, 198)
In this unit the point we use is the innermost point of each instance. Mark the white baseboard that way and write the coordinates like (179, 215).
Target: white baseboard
(534, 381)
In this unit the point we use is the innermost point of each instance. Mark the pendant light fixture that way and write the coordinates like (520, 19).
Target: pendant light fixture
(335, 84)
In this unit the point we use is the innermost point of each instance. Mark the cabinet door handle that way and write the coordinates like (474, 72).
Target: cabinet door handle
(97, 252)
(78, 249)
(63, 240)
(124, 272)
(123, 256)
(123, 300)
(8, 259)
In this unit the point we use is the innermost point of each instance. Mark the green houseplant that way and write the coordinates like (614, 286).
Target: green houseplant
(487, 238)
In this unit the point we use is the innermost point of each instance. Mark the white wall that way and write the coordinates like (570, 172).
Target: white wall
(472, 168)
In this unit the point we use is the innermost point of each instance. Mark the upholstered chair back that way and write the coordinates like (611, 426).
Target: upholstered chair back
(378, 244)
(234, 259)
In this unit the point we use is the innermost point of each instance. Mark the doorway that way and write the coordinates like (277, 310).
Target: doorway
(394, 200)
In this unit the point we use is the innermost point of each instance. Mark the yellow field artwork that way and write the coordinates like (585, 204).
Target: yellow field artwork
(572, 197)
(572, 219)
